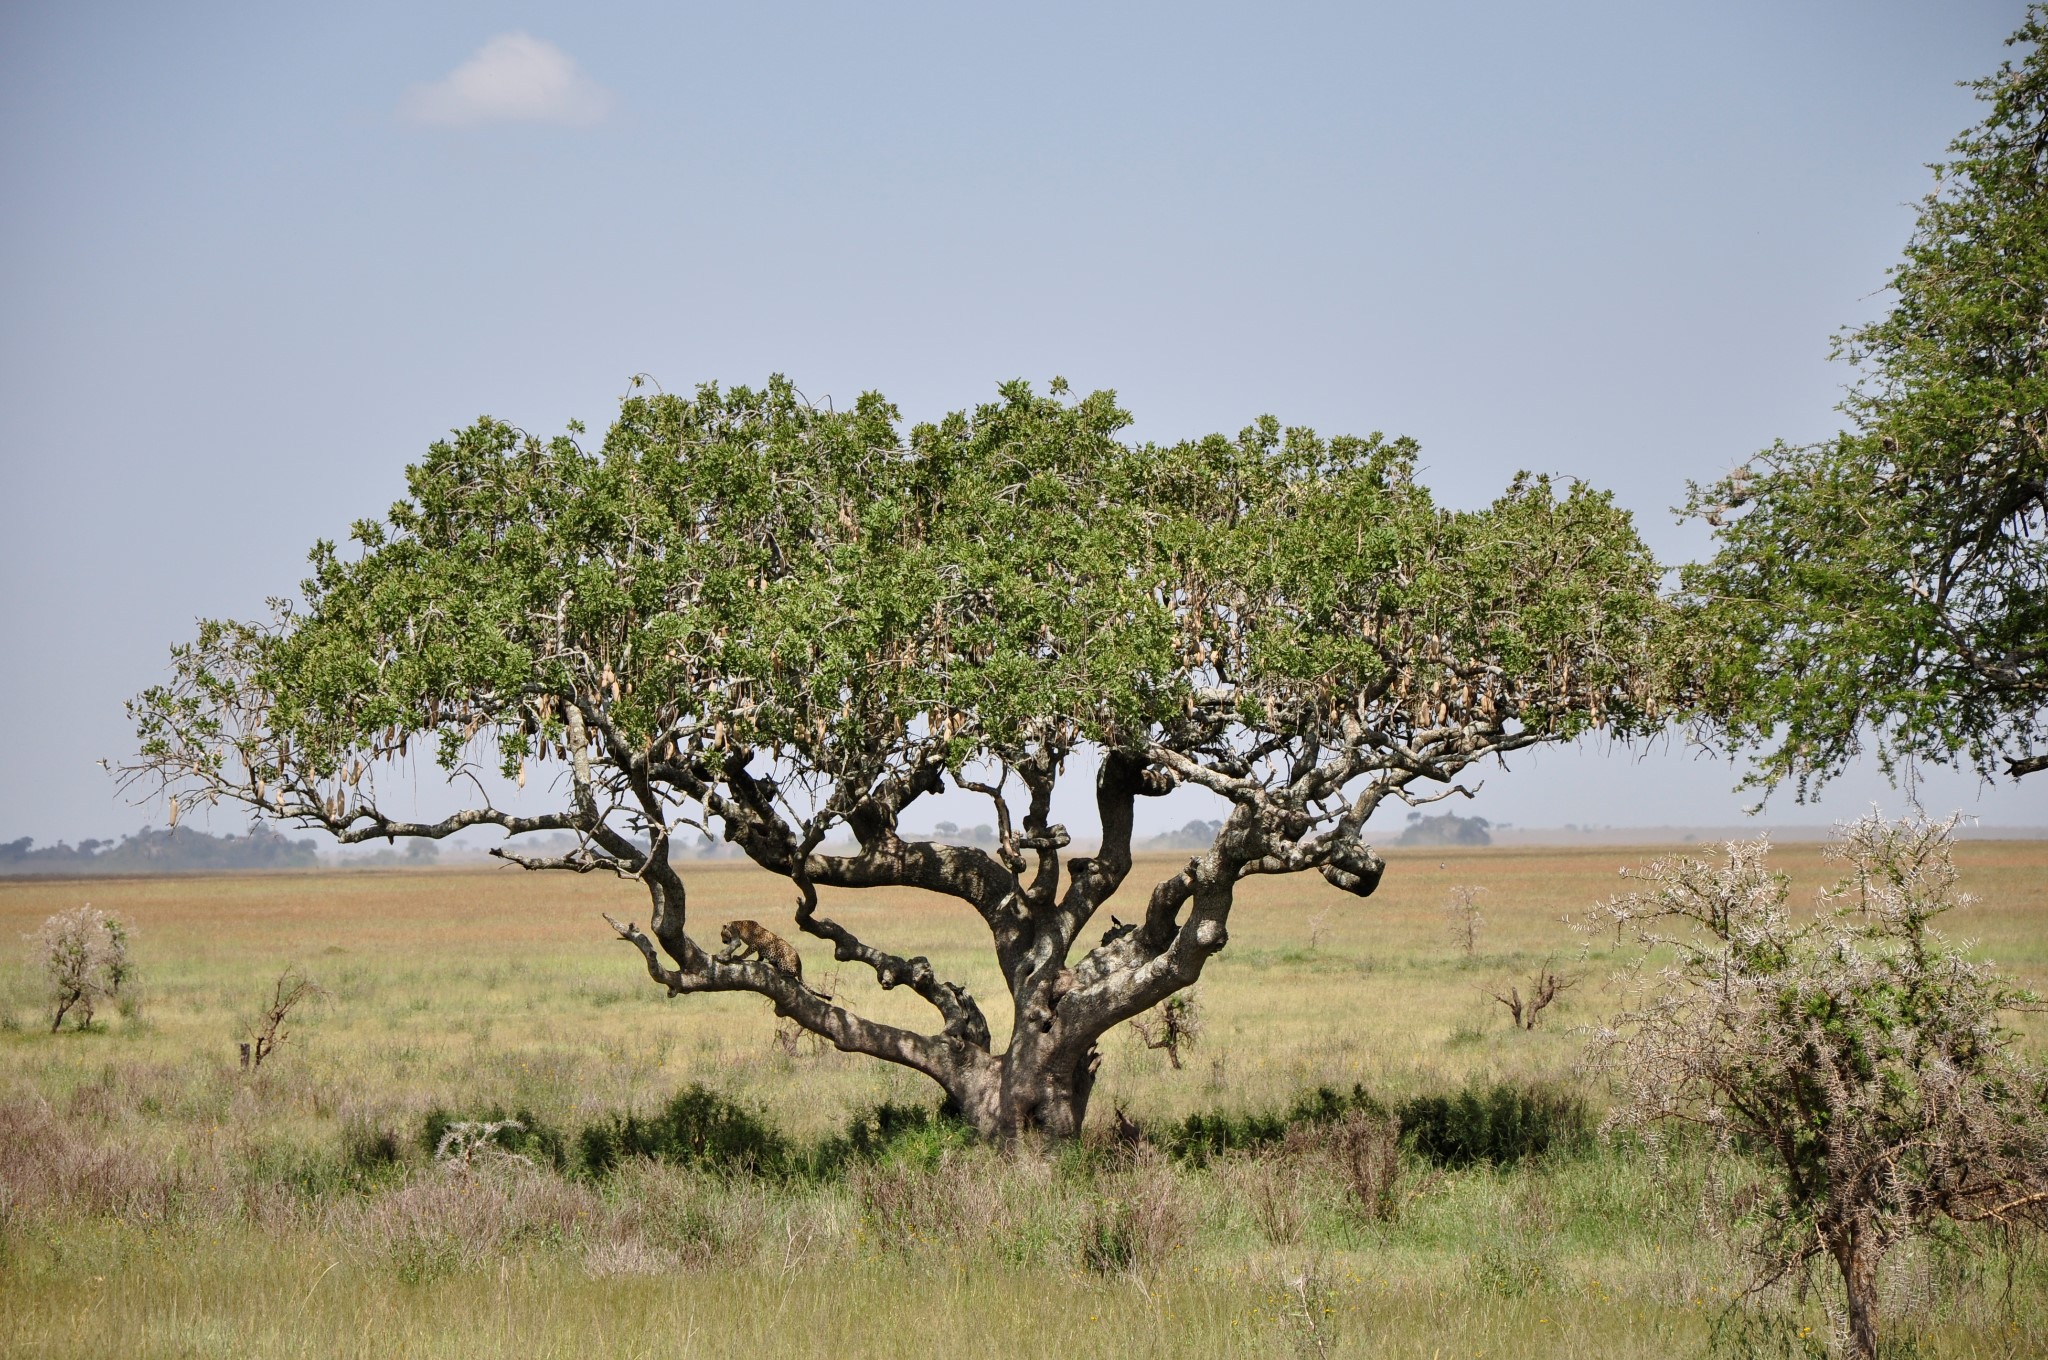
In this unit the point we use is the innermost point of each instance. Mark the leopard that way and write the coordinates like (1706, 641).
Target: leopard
(744, 938)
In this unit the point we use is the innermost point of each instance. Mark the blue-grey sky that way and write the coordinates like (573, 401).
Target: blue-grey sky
(253, 259)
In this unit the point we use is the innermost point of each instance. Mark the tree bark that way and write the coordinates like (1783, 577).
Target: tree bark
(1045, 1086)
(1028, 1091)
(1855, 1255)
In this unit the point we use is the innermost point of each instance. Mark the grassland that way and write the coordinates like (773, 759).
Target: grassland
(157, 1201)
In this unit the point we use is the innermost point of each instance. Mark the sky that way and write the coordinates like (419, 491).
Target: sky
(254, 259)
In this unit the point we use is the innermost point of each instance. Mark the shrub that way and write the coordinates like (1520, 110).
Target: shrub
(1203, 1135)
(966, 1201)
(368, 1150)
(1743, 1331)
(1501, 1124)
(307, 1171)
(521, 1134)
(1461, 916)
(1136, 1226)
(1206, 1134)
(1856, 1047)
(84, 953)
(434, 1226)
(1271, 1189)
(917, 1135)
(1366, 1150)
(268, 1030)
(699, 1127)
(1507, 1269)
(1173, 1025)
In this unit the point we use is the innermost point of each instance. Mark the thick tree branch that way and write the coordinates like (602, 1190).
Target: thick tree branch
(1122, 779)
(938, 1058)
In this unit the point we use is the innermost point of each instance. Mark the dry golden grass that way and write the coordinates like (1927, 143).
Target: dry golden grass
(155, 1201)
(503, 986)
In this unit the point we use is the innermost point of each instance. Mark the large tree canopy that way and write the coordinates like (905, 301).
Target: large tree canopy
(1893, 581)
(747, 615)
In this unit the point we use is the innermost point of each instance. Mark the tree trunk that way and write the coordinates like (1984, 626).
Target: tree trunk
(1039, 1087)
(1856, 1256)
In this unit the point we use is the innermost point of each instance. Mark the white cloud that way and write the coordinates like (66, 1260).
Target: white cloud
(513, 78)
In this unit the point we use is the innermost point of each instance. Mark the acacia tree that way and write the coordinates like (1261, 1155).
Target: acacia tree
(747, 616)
(1856, 1050)
(1895, 579)
(84, 953)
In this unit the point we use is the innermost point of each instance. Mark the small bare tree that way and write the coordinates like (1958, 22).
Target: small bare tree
(793, 1040)
(1461, 914)
(84, 954)
(269, 1030)
(1173, 1025)
(786, 1036)
(1856, 1047)
(1544, 988)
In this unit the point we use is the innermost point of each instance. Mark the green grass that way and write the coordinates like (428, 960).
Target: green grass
(155, 1201)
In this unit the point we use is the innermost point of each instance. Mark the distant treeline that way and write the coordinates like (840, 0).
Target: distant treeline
(983, 836)
(1445, 829)
(153, 851)
(187, 850)
(1196, 835)
(682, 847)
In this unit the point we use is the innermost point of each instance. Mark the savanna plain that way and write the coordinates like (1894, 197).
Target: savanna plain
(158, 1200)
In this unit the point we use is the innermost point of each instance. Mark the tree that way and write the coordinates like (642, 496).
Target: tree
(1857, 1050)
(746, 613)
(1544, 988)
(1175, 1024)
(268, 1030)
(84, 953)
(1893, 581)
(1461, 914)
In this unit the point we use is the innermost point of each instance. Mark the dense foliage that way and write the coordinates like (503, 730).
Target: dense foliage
(1893, 581)
(741, 571)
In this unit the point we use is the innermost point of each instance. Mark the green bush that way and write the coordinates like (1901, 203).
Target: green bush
(1742, 1331)
(1206, 1134)
(1500, 1124)
(699, 1128)
(308, 1172)
(703, 1128)
(1108, 1239)
(912, 1135)
(1507, 1270)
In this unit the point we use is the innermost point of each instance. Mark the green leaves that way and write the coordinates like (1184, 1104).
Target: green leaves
(737, 570)
(1896, 578)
